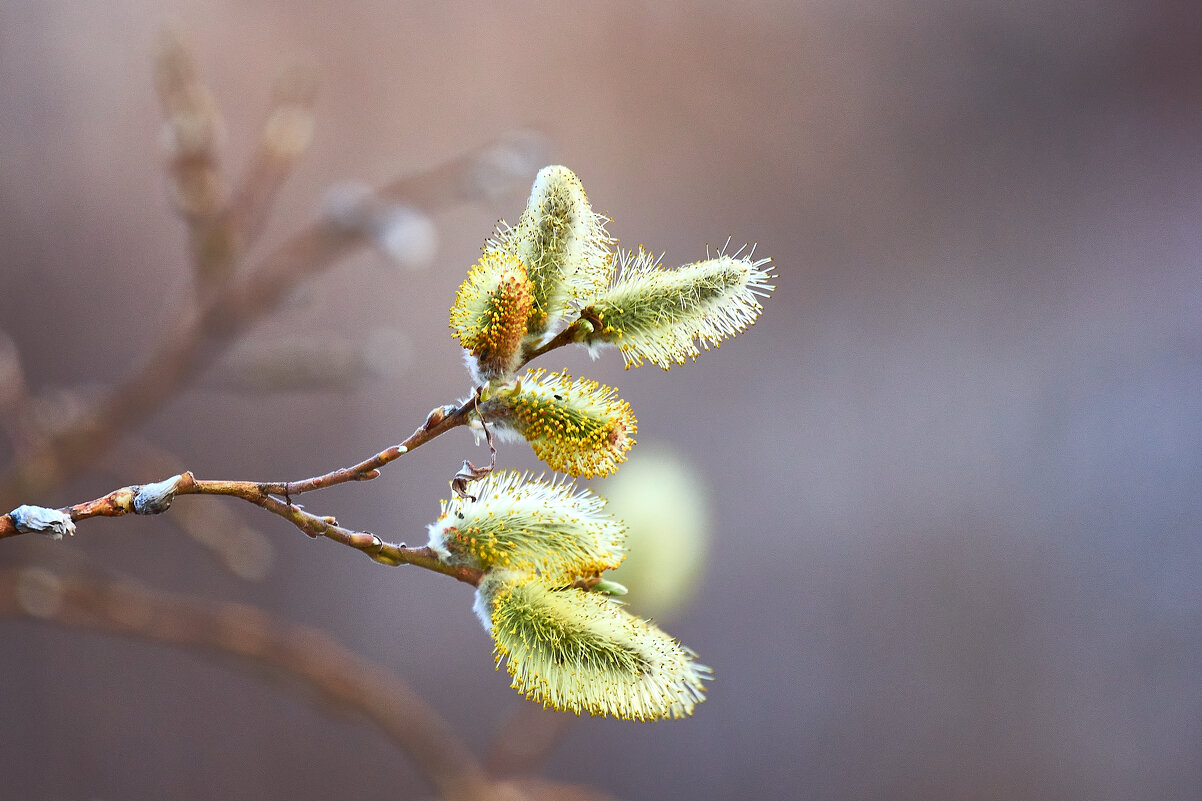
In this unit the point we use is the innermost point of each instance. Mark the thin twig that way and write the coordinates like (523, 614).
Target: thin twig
(133, 500)
(265, 494)
(437, 422)
(564, 337)
(157, 498)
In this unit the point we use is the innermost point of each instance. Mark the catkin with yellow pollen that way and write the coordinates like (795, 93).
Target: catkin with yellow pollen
(578, 651)
(490, 313)
(563, 244)
(578, 427)
(530, 524)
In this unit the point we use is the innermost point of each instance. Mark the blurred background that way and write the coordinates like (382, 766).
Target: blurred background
(951, 475)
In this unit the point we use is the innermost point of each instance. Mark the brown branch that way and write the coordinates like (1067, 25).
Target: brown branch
(327, 667)
(524, 739)
(157, 498)
(191, 140)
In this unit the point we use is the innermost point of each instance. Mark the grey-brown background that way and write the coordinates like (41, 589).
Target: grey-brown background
(955, 468)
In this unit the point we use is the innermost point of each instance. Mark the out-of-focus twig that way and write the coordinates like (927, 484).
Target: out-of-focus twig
(17, 416)
(220, 228)
(284, 139)
(262, 365)
(191, 140)
(536, 789)
(337, 675)
(198, 337)
(483, 173)
(524, 739)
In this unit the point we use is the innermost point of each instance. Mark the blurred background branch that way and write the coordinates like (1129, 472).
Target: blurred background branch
(325, 667)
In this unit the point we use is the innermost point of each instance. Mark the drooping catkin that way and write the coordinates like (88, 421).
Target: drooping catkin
(578, 651)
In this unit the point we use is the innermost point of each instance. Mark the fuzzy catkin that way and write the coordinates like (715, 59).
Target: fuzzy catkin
(578, 651)
(662, 315)
(490, 313)
(576, 426)
(519, 522)
(563, 244)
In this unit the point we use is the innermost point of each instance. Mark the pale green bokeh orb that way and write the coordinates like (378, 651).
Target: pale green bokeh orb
(660, 496)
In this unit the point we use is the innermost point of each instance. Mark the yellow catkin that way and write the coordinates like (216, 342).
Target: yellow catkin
(531, 524)
(563, 244)
(578, 651)
(490, 313)
(578, 427)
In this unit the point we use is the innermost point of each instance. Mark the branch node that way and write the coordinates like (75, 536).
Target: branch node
(469, 472)
(153, 499)
(51, 522)
(437, 415)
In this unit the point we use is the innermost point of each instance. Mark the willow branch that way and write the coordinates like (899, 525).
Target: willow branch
(156, 498)
(524, 739)
(191, 138)
(336, 674)
(276, 496)
(147, 499)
